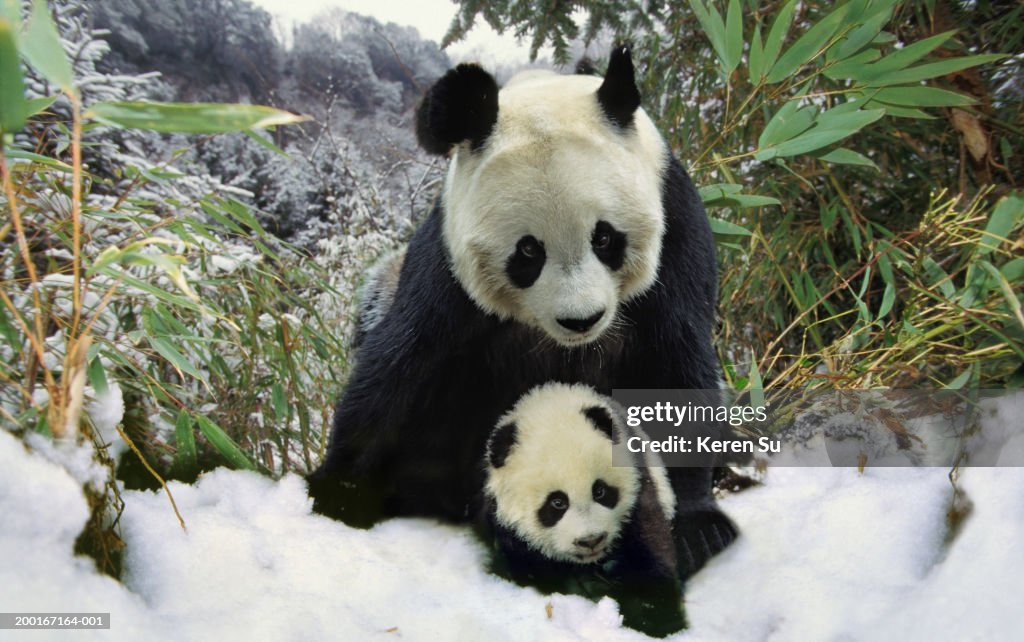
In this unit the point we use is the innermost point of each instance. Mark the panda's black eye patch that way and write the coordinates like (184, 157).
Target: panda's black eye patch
(524, 266)
(605, 495)
(609, 245)
(553, 509)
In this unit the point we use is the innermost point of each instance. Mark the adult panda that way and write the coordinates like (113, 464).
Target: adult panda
(568, 245)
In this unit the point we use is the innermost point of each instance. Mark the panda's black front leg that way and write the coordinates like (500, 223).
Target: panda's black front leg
(701, 529)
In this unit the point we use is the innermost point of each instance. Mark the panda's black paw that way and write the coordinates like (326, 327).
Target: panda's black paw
(700, 535)
(345, 500)
(655, 611)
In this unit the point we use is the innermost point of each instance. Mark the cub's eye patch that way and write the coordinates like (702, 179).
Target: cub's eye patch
(553, 509)
(605, 495)
(524, 266)
(609, 245)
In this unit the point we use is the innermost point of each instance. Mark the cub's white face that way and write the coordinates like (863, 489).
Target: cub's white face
(557, 219)
(551, 475)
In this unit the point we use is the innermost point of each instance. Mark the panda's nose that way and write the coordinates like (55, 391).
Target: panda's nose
(581, 325)
(591, 541)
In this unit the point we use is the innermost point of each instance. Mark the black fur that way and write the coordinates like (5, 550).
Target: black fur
(461, 106)
(602, 420)
(501, 444)
(618, 94)
(640, 571)
(436, 373)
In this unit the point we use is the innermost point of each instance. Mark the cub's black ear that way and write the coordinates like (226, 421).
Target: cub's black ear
(602, 420)
(501, 443)
(462, 105)
(618, 94)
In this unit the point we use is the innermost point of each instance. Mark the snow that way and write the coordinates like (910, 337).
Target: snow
(825, 554)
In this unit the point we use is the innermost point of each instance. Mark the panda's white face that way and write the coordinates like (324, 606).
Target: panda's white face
(551, 477)
(556, 219)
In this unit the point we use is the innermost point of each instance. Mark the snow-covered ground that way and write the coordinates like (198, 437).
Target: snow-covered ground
(826, 554)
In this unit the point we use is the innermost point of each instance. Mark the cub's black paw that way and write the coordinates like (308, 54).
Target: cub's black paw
(655, 610)
(700, 535)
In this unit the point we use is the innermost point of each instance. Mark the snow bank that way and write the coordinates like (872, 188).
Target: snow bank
(826, 554)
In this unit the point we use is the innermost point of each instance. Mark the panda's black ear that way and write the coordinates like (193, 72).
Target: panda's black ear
(602, 420)
(618, 94)
(462, 105)
(500, 445)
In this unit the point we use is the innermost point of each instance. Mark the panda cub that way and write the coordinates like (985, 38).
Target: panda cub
(560, 517)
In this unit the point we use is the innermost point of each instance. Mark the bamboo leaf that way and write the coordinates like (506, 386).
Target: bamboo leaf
(174, 357)
(929, 70)
(224, 444)
(725, 228)
(193, 118)
(41, 46)
(888, 299)
(922, 97)
(901, 58)
(13, 106)
(755, 62)
(866, 32)
(733, 37)
(807, 46)
(185, 460)
(843, 156)
(1006, 214)
(788, 122)
(777, 34)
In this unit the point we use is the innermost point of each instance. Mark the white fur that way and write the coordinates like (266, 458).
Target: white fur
(553, 167)
(557, 448)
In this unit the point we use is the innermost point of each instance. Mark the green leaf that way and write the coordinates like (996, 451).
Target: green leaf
(1007, 290)
(733, 36)
(755, 62)
(718, 190)
(788, 122)
(930, 70)
(41, 46)
(852, 65)
(899, 112)
(960, 381)
(185, 460)
(829, 129)
(53, 163)
(725, 228)
(1013, 270)
(266, 143)
(714, 28)
(13, 106)
(807, 46)
(888, 298)
(224, 444)
(10, 10)
(901, 58)
(755, 387)
(97, 376)
(938, 277)
(843, 156)
(279, 399)
(777, 34)
(866, 32)
(174, 357)
(193, 118)
(1006, 214)
(922, 97)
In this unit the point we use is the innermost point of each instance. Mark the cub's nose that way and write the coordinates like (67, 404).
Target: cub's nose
(581, 325)
(591, 541)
